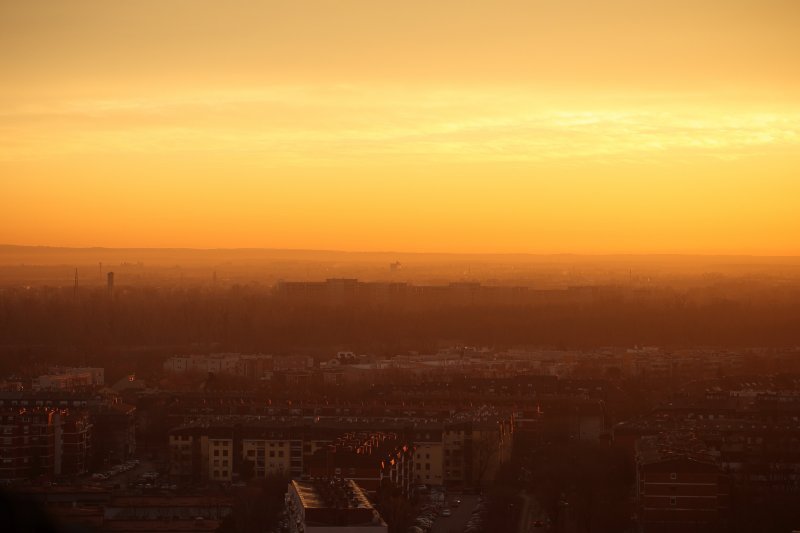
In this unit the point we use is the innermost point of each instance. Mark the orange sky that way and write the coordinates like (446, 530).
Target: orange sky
(503, 126)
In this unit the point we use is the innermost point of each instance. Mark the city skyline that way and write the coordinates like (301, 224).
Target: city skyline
(360, 266)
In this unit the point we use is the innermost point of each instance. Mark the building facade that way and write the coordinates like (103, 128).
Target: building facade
(36, 442)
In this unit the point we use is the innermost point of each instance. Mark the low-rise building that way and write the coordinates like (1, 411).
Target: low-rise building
(679, 489)
(234, 364)
(367, 458)
(331, 505)
(456, 452)
(66, 379)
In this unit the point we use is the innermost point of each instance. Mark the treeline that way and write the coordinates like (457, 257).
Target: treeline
(250, 318)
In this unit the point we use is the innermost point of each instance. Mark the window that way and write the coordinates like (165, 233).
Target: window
(272, 453)
(225, 453)
(673, 476)
(427, 466)
(216, 453)
(280, 453)
(673, 500)
(225, 462)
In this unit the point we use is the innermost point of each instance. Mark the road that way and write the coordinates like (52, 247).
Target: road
(530, 514)
(461, 514)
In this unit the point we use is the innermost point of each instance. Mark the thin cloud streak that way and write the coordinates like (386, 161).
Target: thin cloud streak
(303, 125)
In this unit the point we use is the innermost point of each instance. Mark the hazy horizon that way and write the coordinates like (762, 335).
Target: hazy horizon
(432, 266)
(46, 247)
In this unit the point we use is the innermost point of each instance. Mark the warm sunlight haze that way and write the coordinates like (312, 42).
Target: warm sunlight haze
(383, 266)
(518, 126)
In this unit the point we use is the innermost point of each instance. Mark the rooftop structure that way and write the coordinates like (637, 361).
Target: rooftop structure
(326, 505)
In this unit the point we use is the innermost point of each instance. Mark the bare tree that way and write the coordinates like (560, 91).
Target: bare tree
(485, 451)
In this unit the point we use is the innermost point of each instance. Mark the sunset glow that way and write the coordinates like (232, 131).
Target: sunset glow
(542, 127)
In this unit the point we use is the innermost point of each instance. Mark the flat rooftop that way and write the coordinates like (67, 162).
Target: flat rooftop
(331, 494)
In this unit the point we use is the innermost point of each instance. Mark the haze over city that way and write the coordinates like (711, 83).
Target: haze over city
(294, 266)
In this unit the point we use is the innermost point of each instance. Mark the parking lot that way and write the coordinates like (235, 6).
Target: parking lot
(133, 472)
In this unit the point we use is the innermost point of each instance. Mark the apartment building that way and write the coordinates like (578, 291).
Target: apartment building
(455, 453)
(43, 442)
